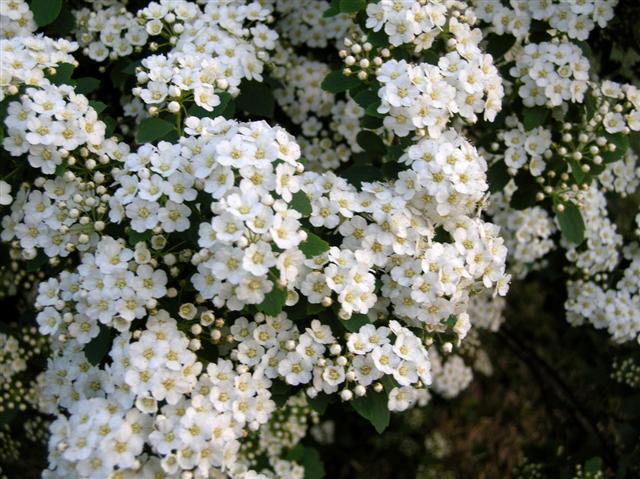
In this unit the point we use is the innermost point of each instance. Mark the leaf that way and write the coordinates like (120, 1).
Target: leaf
(45, 11)
(63, 74)
(336, 82)
(372, 110)
(301, 203)
(99, 346)
(576, 171)
(593, 465)
(622, 143)
(198, 111)
(371, 143)
(152, 129)
(525, 195)
(136, 237)
(498, 176)
(319, 403)
(356, 321)
(571, 223)
(309, 458)
(313, 245)
(358, 174)
(373, 407)
(86, 85)
(366, 97)
(534, 117)
(280, 392)
(352, 6)
(256, 99)
(333, 10)
(273, 301)
(498, 45)
(98, 106)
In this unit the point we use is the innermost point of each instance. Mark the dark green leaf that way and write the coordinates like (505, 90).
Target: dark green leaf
(366, 97)
(576, 171)
(498, 176)
(309, 458)
(135, 237)
(63, 74)
(111, 126)
(498, 45)
(372, 110)
(622, 143)
(86, 85)
(371, 143)
(525, 195)
(319, 403)
(99, 346)
(336, 82)
(152, 129)
(534, 117)
(352, 6)
(98, 106)
(357, 174)
(571, 223)
(378, 39)
(273, 301)
(195, 110)
(593, 465)
(333, 10)
(356, 321)
(301, 203)
(313, 245)
(256, 99)
(280, 392)
(373, 407)
(45, 11)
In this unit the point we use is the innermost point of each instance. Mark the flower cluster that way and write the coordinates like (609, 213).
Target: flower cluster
(16, 19)
(577, 19)
(550, 73)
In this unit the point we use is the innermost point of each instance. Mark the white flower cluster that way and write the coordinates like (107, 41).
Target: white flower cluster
(12, 358)
(50, 122)
(103, 291)
(16, 19)
(425, 96)
(486, 311)
(451, 376)
(602, 238)
(622, 176)
(551, 73)
(214, 49)
(576, 18)
(26, 60)
(108, 30)
(304, 23)
(527, 235)
(525, 147)
(408, 21)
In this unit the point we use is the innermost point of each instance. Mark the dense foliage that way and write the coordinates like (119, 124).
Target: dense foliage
(304, 239)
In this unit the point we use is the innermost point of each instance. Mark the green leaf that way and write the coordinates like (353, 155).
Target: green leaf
(319, 403)
(152, 129)
(571, 223)
(622, 143)
(45, 11)
(309, 458)
(136, 237)
(593, 465)
(273, 301)
(371, 143)
(576, 171)
(63, 74)
(366, 97)
(373, 407)
(356, 321)
(99, 346)
(525, 195)
(372, 110)
(333, 10)
(301, 203)
(336, 82)
(98, 106)
(313, 245)
(357, 174)
(280, 392)
(86, 85)
(498, 176)
(195, 110)
(352, 6)
(534, 117)
(498, 45)
(256, 99)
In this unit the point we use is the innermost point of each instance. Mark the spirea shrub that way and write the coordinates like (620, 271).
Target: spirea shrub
(240, 212)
